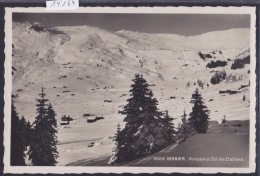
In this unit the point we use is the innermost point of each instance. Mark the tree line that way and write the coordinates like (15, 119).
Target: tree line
(218, 63)
(240, 63)
(147, 129)
(39, 137)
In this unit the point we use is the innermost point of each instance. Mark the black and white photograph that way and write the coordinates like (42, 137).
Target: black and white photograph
(155, 89)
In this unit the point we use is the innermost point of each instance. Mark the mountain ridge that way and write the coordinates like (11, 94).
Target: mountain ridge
(95, 65)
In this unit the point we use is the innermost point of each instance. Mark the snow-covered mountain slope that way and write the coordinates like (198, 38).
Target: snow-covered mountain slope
(81, 66)
(229, 39)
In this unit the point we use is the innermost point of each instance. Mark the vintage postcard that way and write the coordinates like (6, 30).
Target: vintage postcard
(130, 90)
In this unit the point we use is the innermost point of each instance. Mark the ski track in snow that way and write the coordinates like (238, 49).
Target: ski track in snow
(70, 142)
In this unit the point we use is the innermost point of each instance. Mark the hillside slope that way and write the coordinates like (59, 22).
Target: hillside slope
(82, 67)
(84, 58)
(225, 145)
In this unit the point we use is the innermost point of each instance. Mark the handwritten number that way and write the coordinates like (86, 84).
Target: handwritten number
(58, 2)
(53, 4)
(63, 3)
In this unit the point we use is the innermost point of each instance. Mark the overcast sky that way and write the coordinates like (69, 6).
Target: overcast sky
(183, 24)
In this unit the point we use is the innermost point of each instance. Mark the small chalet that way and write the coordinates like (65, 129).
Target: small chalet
(64, 122)
(99, 117)
(91, 119)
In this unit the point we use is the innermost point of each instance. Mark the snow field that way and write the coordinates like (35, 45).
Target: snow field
(82, 67)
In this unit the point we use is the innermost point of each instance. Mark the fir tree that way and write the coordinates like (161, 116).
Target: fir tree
(118, 129)
(244, 98)
(184, 125)
(168, 126)
(43, 151)
(199, 115)
(52, 125)
(145, 131)
(51, 118)
(114, 157)
(18, 141)
(28, 132)
(185, 129)
(25, 129)
(188, 85)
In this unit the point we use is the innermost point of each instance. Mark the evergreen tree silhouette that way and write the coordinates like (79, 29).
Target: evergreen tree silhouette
(199, 115)
(145, 131)
(184, 119)
(184, 126)
(25, 129)
(43, 151)
(168, 126)
(28, 132)
(118, 129)
(18, 141)
(185, 129)
(113, 157)
(52, 125)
